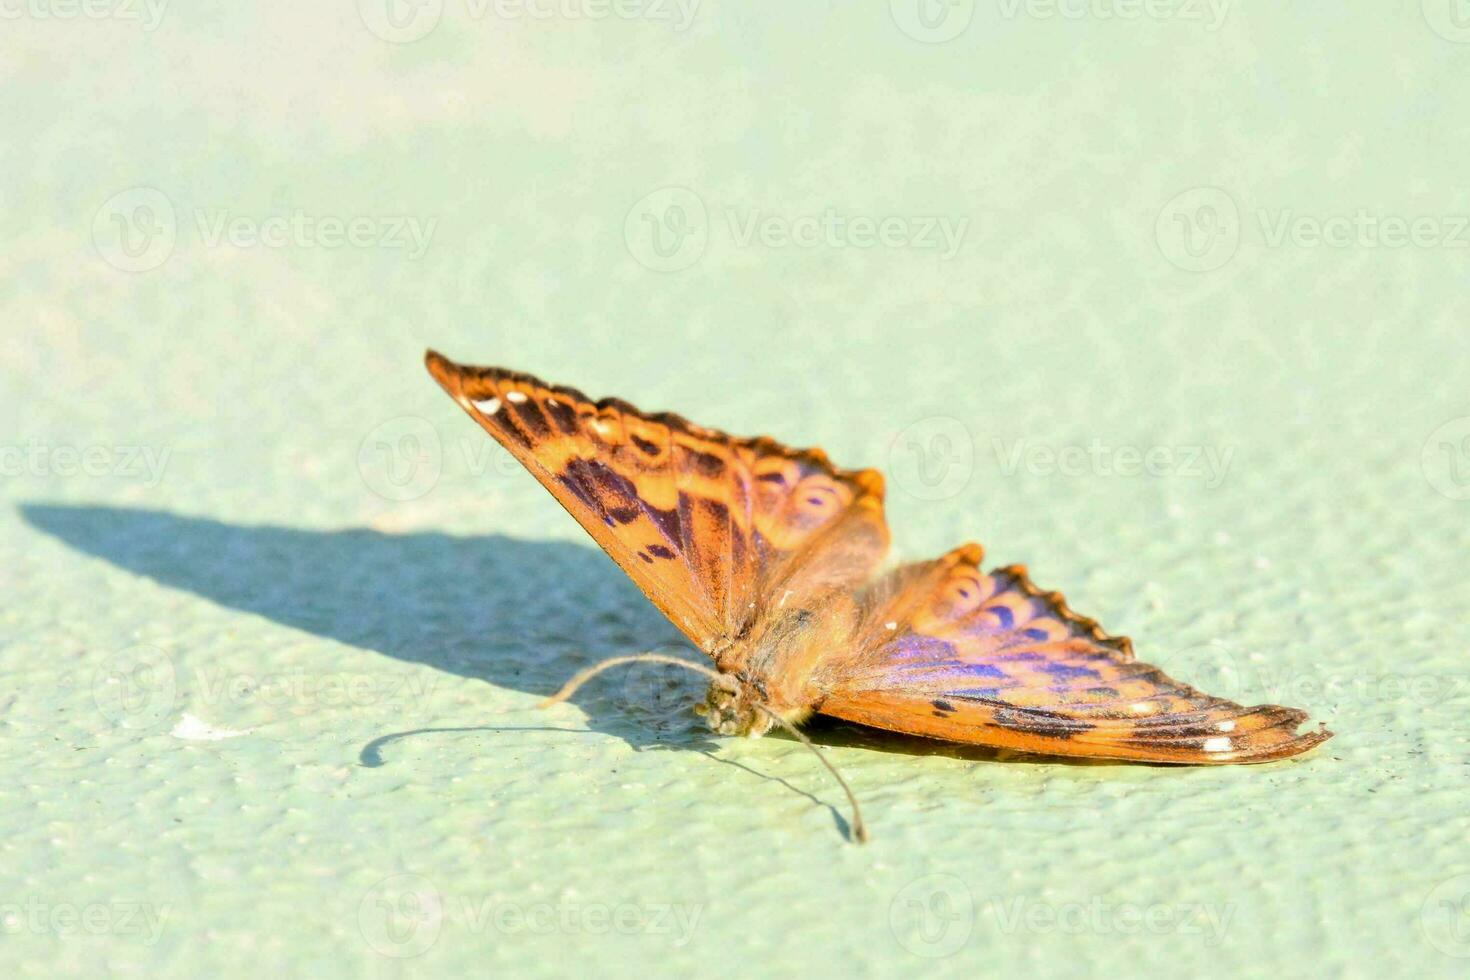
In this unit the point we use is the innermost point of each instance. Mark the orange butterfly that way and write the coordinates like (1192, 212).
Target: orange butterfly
(766, 557)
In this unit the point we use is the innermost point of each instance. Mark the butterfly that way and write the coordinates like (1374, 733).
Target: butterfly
(768, 559)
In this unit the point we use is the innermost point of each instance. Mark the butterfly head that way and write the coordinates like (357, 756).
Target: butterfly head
(731, 707)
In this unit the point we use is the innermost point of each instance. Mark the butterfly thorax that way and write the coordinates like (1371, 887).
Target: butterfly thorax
(772, 666)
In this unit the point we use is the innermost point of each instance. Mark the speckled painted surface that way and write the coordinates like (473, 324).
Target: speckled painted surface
(268, 705)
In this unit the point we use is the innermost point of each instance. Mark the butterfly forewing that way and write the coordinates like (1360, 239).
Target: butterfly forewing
(946, 650)
(709, 526)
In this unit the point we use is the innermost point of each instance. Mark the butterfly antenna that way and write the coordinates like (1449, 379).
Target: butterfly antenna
(859, 829)
(583, 676)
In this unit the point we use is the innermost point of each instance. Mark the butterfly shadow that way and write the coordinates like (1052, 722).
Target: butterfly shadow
(521, 615)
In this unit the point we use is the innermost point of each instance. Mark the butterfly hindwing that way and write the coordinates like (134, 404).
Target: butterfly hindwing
(709, 526)
(948, 651)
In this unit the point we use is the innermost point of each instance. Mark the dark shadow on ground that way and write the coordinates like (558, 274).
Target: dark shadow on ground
(522, 615)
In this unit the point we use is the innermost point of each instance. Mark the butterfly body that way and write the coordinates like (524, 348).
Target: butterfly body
(768, 557)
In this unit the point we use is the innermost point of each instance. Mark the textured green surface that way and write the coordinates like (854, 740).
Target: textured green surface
(393, 804)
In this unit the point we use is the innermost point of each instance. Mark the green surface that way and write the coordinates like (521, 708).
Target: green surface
(1239, 240)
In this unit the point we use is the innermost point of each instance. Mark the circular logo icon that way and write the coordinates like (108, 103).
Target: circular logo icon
(1446, 916)
(1450, 19)
(667, 230)
(401, 459)
(400, 21)
(1213, 668)
(933, 916)
(933, 459)
(135, 229)
(401, 916)
(135, 688)
(1199, 230)
(661, 689)
(932, 21)
(1446, 459)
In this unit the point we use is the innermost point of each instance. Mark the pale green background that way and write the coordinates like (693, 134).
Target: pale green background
(281, 593)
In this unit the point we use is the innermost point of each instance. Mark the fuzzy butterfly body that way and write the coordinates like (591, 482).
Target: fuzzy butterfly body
(767, 558)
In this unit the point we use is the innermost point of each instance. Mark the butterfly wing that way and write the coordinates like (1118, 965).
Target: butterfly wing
(707, 525)
(948, 651)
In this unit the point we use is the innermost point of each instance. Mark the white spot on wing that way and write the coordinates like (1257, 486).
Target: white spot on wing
(1226, 726)
(890, 625)
(515, 397)
(1217, 745)
(487, 407)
